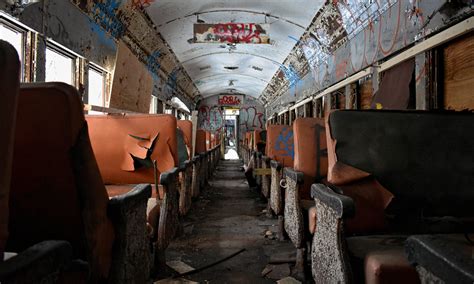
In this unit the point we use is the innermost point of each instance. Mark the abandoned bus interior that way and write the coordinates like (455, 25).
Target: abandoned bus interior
(236, 141)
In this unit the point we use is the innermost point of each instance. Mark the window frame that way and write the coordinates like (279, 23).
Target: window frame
(61, 50)
(105, 76)
(13, 25)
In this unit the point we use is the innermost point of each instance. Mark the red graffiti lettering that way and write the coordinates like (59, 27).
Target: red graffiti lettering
(137, 4)
(229, 100)
(238, 33)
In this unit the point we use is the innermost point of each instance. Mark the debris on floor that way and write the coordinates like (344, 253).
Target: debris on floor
(179, 266)
(270, 235)
(175, 281)
(283, 257)
(288, 280)
(276, 271)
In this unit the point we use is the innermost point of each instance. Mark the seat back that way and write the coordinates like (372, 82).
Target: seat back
(260, 136)
(425, 159)
(310, 152)
(9, 88)
(208, 140)
(186, 127)
(200, 141)
(125, 146)
(213, 140)
(56, 189)
(280, 144)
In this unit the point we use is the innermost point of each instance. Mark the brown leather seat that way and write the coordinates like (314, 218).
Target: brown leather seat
(57, 191)
(46, 259)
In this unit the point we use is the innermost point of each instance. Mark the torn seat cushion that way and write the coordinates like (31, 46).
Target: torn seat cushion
(120, 141)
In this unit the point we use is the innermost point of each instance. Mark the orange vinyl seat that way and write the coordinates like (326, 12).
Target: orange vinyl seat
(280, 153)
(186, 174)
(127, 148)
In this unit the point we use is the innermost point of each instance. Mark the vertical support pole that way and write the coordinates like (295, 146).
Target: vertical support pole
(194, 120)
(420, 77)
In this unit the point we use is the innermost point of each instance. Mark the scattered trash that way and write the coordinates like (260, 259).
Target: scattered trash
(264, 211)
(288, 280)
(175, 281)
(267, 270)
(179, 266)
(276, 272)
(268, 233)
(210, 265)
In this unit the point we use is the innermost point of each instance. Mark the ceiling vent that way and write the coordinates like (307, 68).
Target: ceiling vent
(257, 68)
(231, 67)
(204, 67)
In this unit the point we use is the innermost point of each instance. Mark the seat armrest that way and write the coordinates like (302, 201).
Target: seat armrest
(169, 210)
(132, 258)
(330, 257)
(342, 205)
(294, 220)
(40, 263)
(296, 176)
(196, 159)
(266, 159)
(445, 257)
(275, 164)
(187, 163)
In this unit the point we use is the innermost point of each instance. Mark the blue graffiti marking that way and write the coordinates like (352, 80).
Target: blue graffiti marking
(106, 16)
(290, 74)
(294, 38)
(283, 143)
(102, 35)
(153, 65)
(172, 79)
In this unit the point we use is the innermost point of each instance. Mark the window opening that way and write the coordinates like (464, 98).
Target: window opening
(59, 66)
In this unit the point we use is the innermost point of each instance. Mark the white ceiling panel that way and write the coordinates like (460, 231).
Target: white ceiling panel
(205, 62)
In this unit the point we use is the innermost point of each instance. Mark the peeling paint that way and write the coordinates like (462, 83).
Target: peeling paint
(106, 15)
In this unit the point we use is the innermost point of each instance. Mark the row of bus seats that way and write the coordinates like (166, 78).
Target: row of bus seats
(111, 188)
(378, 196)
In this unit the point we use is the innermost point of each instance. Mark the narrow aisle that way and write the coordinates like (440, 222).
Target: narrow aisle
(226, 218)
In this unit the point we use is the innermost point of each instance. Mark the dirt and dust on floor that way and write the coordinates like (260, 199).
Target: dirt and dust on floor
(228, 233)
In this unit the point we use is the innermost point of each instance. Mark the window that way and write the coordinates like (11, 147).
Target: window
(96, 89)
(59, 66)
(154, 104)
(15, 36)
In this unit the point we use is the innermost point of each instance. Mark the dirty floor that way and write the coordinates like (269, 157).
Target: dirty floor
(228, 217)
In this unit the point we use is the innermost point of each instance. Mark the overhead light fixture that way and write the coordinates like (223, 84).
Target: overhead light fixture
(231, 67)
(199, 20)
